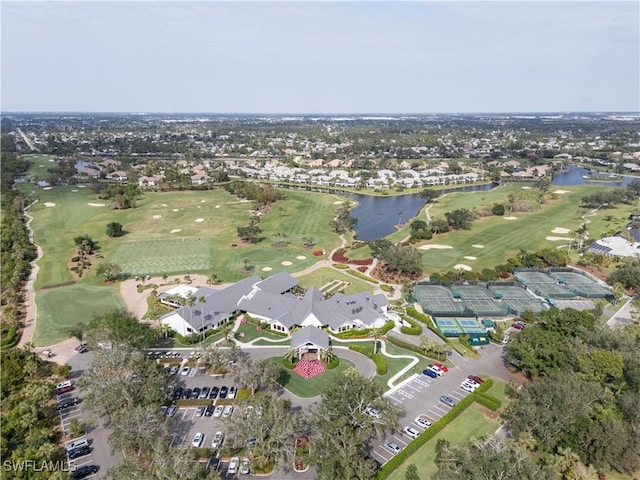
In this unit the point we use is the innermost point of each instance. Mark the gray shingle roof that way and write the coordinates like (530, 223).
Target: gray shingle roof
(309, 335)
(278, 283)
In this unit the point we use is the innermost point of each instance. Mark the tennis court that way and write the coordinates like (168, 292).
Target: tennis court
(580, 284)
(543, 285)
(517, 299)
(437, 299)
(479, 300)
(456, 326)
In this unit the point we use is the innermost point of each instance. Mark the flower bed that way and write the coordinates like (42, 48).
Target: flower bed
(309, 368)
(339, 257)
(301, 454)
(362, 269)
(318, 253)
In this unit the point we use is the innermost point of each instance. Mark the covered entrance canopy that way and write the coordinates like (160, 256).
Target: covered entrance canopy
(308, 341)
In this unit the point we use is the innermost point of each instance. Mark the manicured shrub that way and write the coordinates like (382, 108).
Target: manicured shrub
(387, 326)
(426, 319)
(333, 363)
(381, 363)
(361, 276)
(413, 348)
(341, 266)
(413, 329)
(363, 349)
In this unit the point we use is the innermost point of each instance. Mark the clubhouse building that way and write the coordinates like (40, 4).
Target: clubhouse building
(271, 301)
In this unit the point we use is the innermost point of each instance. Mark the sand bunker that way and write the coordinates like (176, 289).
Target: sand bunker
(199, 220)
(157, 216)
(74, 190)
(338, 202)
(286, 263)
(435, 247)
(49, 204)
(510, 218)
(526, 188)
(51, 160)
(301, 257)
(477, 246)
(82, 186)
(175, 209)
(470, 258)
(96, 204)
(176, 230)
(164, 205)
(462, 266)
(46, 188)
(561, 192)
(266, 269)
(558, 239)
(560, 230)
(202, 201)
(217, 206)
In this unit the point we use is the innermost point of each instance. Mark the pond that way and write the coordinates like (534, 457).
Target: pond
(575, 175)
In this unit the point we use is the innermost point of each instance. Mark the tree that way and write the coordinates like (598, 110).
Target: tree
(439, 225)
(400, 218)
(411, 472)
(85, 243)
(212, 279)
(459, 219)
(376, 334)
(429, 194)
(109, 270)
(114, 229)
(619, 292)
(118, 327)
(498, 209)
(403, 259)
(256, 375)
(245, 265)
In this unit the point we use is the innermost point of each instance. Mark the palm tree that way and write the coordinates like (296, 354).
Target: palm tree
(425, 344)
(190, 302)
(164, 277)
(376, 334)
(326, 355)
(352, 372)
(201, 301)
(245, 265)
(290, 355)
(399, 218)
(212, 279)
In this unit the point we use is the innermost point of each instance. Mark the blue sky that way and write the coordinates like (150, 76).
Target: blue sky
(321, 57)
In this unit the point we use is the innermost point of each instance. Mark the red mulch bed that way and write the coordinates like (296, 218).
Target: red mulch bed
(309, 368)
(339, 257)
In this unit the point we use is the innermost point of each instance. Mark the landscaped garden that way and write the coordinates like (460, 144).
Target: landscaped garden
(312, 387)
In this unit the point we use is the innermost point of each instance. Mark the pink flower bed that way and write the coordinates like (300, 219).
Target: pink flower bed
(362, 269)
(307, 369)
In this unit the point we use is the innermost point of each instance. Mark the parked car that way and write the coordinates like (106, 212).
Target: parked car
(218, 411)
(218, 438)
(65, 389)
(186, 394)
(84, 471)
(77, 444)
(213, 463)
(223, 392)
(177, 393)
(198, 438)
(441, 367)
(67, 402)
(81, 348)
(448, 400)
(430, 373)
(209, 411)
(173, 370)
(232, 392)
(171, 411)
(228, 410)
(519, 325)
(410, 432)
(213, 394)
(392, 447)
(185, 371)
(468, 387)
(79, 452)
(195, 393)
(476, 379)
(245, 466)
(423, 422)
(372, 412)
(436, 369)
(233, 466)
(204, 393)
(200, 411)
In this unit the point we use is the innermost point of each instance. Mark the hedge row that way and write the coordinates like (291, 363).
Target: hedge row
(360, 275)
(378, 358)
(414, 348)
(333, 363)
(341, 266)
(387, 326)
(412, 312)
(414, 329)
(9, 337)
(386, 288)
(488, 401)
(432, 431)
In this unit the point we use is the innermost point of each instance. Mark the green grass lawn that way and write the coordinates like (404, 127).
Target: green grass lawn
(40, 164)
(322, 276)
(163, 237)
(312, 387)
(472, 423)
(64, 307)
(500, 237)
(248, 331)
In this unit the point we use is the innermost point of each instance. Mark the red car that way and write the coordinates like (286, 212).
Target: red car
(441, 367)
(475, 379)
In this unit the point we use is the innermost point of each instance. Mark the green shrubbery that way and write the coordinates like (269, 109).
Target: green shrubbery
(362, 276)
(426, 319)
(414, 348)
(341, 266)
(378, 358)
(387, 326)
(414, 329)
(333, 363)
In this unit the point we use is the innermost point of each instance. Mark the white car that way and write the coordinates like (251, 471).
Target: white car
(410, 432)
(218, 411)
(392, 447)
(438, 370)
(197, 440)
(469, 386)
(218, 438)
(228, 410)
(372, 412)
(423, 422)
(232, 392)
(185, 371)
(233, 466)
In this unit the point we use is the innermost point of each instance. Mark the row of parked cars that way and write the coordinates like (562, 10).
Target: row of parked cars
(436, 370)
(206, 392)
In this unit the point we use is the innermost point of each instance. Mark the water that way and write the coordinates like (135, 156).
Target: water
(378, 216)
(575, 176)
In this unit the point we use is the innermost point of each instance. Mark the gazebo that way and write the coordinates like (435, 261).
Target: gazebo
(308, 341)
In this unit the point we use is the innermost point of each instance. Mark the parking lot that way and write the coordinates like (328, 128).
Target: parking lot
(420, 395)
(67, 415)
